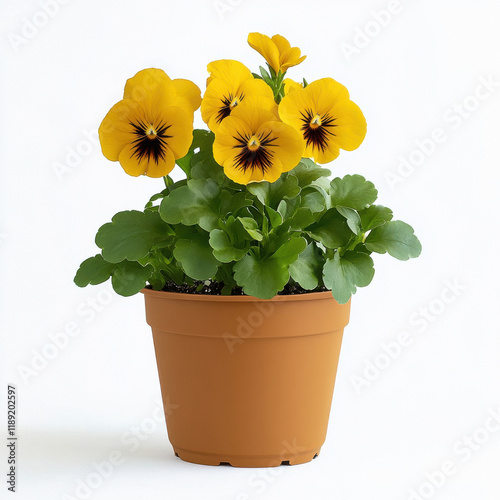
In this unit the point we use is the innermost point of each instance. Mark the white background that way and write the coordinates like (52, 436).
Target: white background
(416, 74)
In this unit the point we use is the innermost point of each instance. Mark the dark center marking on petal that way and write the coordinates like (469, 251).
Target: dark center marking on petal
(255, 151)
(151, 140)
(228, 104)
(316, 128)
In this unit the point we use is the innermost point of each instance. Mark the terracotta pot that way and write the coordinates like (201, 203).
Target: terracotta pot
(246, 381)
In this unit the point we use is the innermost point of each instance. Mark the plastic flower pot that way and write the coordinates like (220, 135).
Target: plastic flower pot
(244, 381)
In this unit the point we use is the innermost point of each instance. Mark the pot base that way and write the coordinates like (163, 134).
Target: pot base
(246, 461)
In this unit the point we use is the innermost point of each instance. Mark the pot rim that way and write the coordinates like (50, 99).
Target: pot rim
(327, 295)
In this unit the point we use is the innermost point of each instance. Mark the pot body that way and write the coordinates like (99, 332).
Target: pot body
(246, 381)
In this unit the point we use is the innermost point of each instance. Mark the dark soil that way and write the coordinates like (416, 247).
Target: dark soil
(214, 288)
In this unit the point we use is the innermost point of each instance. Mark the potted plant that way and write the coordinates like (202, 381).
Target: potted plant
(248, 263)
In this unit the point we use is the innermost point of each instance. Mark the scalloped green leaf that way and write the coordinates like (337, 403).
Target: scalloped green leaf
(130, 277)
(331, 230)
(352, 191)
(196, 203)
(251, 227)
(131, 235)
(264, 277)
(307, 172)
(343, 275)
(94, 271)
(271, 194)
(352, 217)
(223, 248)
(261, 278)
(196, 257)
(374, 216)
(395, 237)
(306, 270)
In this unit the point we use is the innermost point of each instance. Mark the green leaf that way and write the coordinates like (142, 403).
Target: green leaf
(265, 75)
(223, 248)
(289, 251)
(314, 198)
(342, 275)
(130, 235)
(208, 170)
(302, 218)
(271, 194)
(352, 191)
(374, 216)
(331, 230)
(93, 271)
(232, 203)
(251, 227)
(155, 197)
(201, 148)
(352, 217)
(261, 278)
(275, 217)
(307, 268)
(396, 238)
(130, 278)
(265, 277)
(307, 172)
(196, 257)
(195, 203)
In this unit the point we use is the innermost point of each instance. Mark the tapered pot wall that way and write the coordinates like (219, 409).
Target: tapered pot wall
(245, 381)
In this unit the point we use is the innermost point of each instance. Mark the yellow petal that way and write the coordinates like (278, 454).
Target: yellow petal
(188, 90)
(214, 106)
(289, 58)
(146, 166)
(350, 125)
(325, 93)
(253, 117)
(144, 82)
(266, 48)
(294, 104)
(228, 70)
(288, 145)
(115, 130)
(281, 42)
(322, 156)
(291, 85)
(180, 130)
(223, 97)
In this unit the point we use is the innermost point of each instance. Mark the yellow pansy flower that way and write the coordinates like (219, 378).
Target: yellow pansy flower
(231, 83)
(253, 146)
(326, 117)
(152, 126)
(277, 51)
